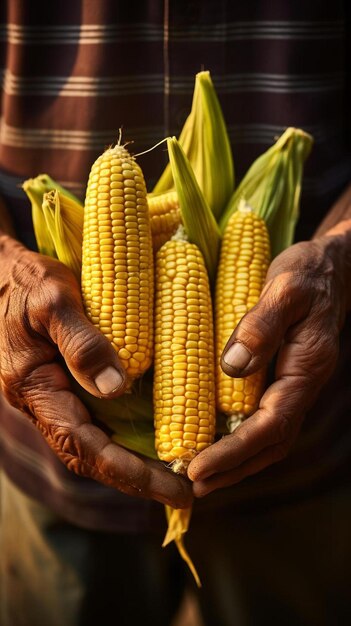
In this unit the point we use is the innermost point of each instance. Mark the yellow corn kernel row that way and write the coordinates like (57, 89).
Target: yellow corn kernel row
(184, 387)
(165, 216)
(242, 269)
(117, 259)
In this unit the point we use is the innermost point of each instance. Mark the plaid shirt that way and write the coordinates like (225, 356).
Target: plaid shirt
(72, 76)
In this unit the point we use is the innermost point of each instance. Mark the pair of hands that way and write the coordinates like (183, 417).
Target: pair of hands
(298, 317)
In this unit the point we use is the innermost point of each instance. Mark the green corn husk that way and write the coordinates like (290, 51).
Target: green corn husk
(35, 188)
(272, 187)
(138, 437)
(204, 140)
(128, 417)
(64, 221)
(199, 222)
(133, 406)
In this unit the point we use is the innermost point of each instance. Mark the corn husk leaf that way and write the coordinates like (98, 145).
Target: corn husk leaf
(204, 140)
(42, 233)
(136, 405)
(43, 183)
(272, 187)
(137, 436)
(178, 524)
(35, 188)
(64, 220)
(198, 220)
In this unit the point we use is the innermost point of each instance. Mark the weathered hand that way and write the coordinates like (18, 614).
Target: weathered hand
(298, 317)
(42, 324)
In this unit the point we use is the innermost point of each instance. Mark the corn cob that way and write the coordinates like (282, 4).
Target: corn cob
(117, 259)
(272, 187)
(165, 216)
(184, 391)
(242, 268)
(184, 388)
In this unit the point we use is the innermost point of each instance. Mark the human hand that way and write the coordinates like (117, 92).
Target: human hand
(42, 324)
(299, 316)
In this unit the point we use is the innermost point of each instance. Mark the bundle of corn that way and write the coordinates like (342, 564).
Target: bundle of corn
(169, 412)
(205, 142)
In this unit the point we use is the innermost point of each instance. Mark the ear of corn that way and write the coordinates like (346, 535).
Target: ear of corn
(272, 187)
(184, 390)
(205, 142)
(184, 393)
(117, 260)
(199, 222)
(165, 216)
(242, 268)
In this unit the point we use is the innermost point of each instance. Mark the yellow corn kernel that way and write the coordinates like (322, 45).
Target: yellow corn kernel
(182, 391)
(242, 269)
(165, 216)
(117, 258)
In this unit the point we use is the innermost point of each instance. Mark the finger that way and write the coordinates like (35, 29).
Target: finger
(88, 354)
(304, 363)
(252, 466)
(266, 428)
(87, 450)
(259, 334)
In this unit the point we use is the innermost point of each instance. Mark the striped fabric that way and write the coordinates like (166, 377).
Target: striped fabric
(72, 76)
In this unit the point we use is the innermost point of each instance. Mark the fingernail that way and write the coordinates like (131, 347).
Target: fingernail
(237, 356)
(108, 380)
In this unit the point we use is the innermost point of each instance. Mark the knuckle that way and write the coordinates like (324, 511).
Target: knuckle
(280, 451)
(284, 429)
(66, 447)
(59, 299)
(83, 348)
(255, 329)
(284, 434)
(321, 349)
(286, 288)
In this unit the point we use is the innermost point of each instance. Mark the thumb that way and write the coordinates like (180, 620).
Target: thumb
(88, 354)
(260, 332)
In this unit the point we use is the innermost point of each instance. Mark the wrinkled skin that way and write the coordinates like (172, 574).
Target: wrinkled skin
(298, 318)
(43, 323)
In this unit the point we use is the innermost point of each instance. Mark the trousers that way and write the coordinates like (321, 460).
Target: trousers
(288, 566)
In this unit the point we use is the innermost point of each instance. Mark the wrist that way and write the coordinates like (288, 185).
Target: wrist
(337, 243)
(10, 248)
